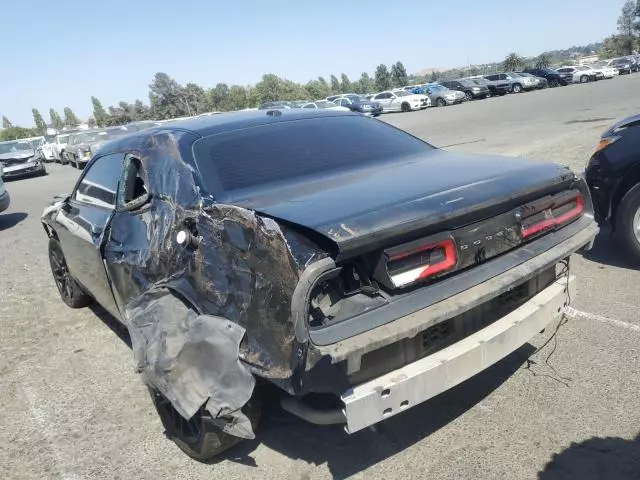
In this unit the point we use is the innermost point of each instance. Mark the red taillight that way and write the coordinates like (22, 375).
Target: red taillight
(421, 262)
(552, 220)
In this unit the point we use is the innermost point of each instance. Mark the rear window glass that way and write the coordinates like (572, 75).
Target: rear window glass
(286, 151)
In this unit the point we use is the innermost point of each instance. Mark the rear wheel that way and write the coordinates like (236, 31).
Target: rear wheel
(553, 82)
(584, 79)
(69, 290)
(628, 224)
(405, 107)
(468, 96)
(517, 88)
(200, 437)
(440, 102)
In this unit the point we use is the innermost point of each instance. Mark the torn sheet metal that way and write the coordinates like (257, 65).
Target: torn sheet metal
(203, 320)
(191, 359)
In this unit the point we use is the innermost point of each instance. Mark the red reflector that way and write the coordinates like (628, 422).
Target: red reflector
(552, 222)
(448, 261)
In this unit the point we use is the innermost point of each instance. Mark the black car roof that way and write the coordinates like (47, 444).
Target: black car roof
(225, 122)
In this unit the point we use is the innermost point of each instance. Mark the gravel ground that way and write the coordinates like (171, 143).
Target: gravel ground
(73, 408)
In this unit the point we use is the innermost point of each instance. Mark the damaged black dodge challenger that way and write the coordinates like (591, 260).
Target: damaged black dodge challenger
(327, 253)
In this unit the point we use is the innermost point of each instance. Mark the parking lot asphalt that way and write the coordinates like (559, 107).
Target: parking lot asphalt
(73, 407)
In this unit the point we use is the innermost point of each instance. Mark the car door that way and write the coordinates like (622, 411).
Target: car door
(394, 102)
(127, 248)
(384, 99)
(82, 222)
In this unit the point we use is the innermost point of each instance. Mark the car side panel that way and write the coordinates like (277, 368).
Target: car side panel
(80, 230)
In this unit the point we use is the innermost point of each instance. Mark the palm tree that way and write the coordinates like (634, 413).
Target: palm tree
(543, 61)
(512, 62)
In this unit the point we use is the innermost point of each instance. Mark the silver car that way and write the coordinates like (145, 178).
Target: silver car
(441, 96)
(18, 158)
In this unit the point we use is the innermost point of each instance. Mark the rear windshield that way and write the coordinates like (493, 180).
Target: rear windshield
(288, 151)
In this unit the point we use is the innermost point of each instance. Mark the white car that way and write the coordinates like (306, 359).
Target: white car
(60, 144)
(400, 101)
(324, 105)
(607, 70)
(580, 73)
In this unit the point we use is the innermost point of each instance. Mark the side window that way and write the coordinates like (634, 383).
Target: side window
(379, 97)
(344, 102)
(132, 191)
(310, 106)
(491, 77)
(502, 76)
(99, 184)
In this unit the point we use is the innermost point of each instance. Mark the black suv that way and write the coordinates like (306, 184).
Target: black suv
(553, 77)
(471, 88)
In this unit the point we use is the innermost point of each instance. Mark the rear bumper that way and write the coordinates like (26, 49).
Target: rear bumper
(401, 389)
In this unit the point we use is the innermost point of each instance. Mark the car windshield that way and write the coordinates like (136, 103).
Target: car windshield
(293, 152)
(514, 74)
(622, 61)
(63, 138)
(467, 83)
(436, 88)
(480, 81)
(353, 98)
(11, 147)
(582, 68)
(549, 71)
(402, 93)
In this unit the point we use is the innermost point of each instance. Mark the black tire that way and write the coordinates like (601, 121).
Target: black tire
(584, 79)
(468, 96)
(628, 222)
(516, 88)
(69, 290)
(440, 102)
(405, 107)
(553, 83)
(200, 437)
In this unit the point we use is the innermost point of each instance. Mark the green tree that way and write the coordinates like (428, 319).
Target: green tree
(195, 98)
(434, 77)
(237, 97)
(41, 126)
(6, 123)
(219, 97)
(543, 61)
(167, 98)
(99, 113)
(335, 85)
(56, 121)
(383, 77)
(365, 84)
(345, 84)
(141, 111)
(512, 62)
(398, 75)
(91, 122)
(70, 119)
(269, 88)
(317, 90)
(628, 27)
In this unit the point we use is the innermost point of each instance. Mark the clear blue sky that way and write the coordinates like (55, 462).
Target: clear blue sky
(58, 54)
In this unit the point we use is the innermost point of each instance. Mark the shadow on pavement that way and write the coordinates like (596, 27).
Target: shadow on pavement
(9, 220)
(610, 458)
(119, 329)
(608, 251)
(346, 455)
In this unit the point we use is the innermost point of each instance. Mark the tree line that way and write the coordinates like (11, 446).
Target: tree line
(169, 99)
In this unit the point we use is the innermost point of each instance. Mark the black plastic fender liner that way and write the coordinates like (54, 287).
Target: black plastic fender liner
(192, 359)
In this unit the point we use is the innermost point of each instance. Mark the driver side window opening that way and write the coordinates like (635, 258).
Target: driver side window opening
(133, 191)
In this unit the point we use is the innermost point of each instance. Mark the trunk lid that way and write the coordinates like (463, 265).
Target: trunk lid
(398, 201)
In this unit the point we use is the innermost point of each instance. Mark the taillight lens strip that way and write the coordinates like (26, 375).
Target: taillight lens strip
(552, 222)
